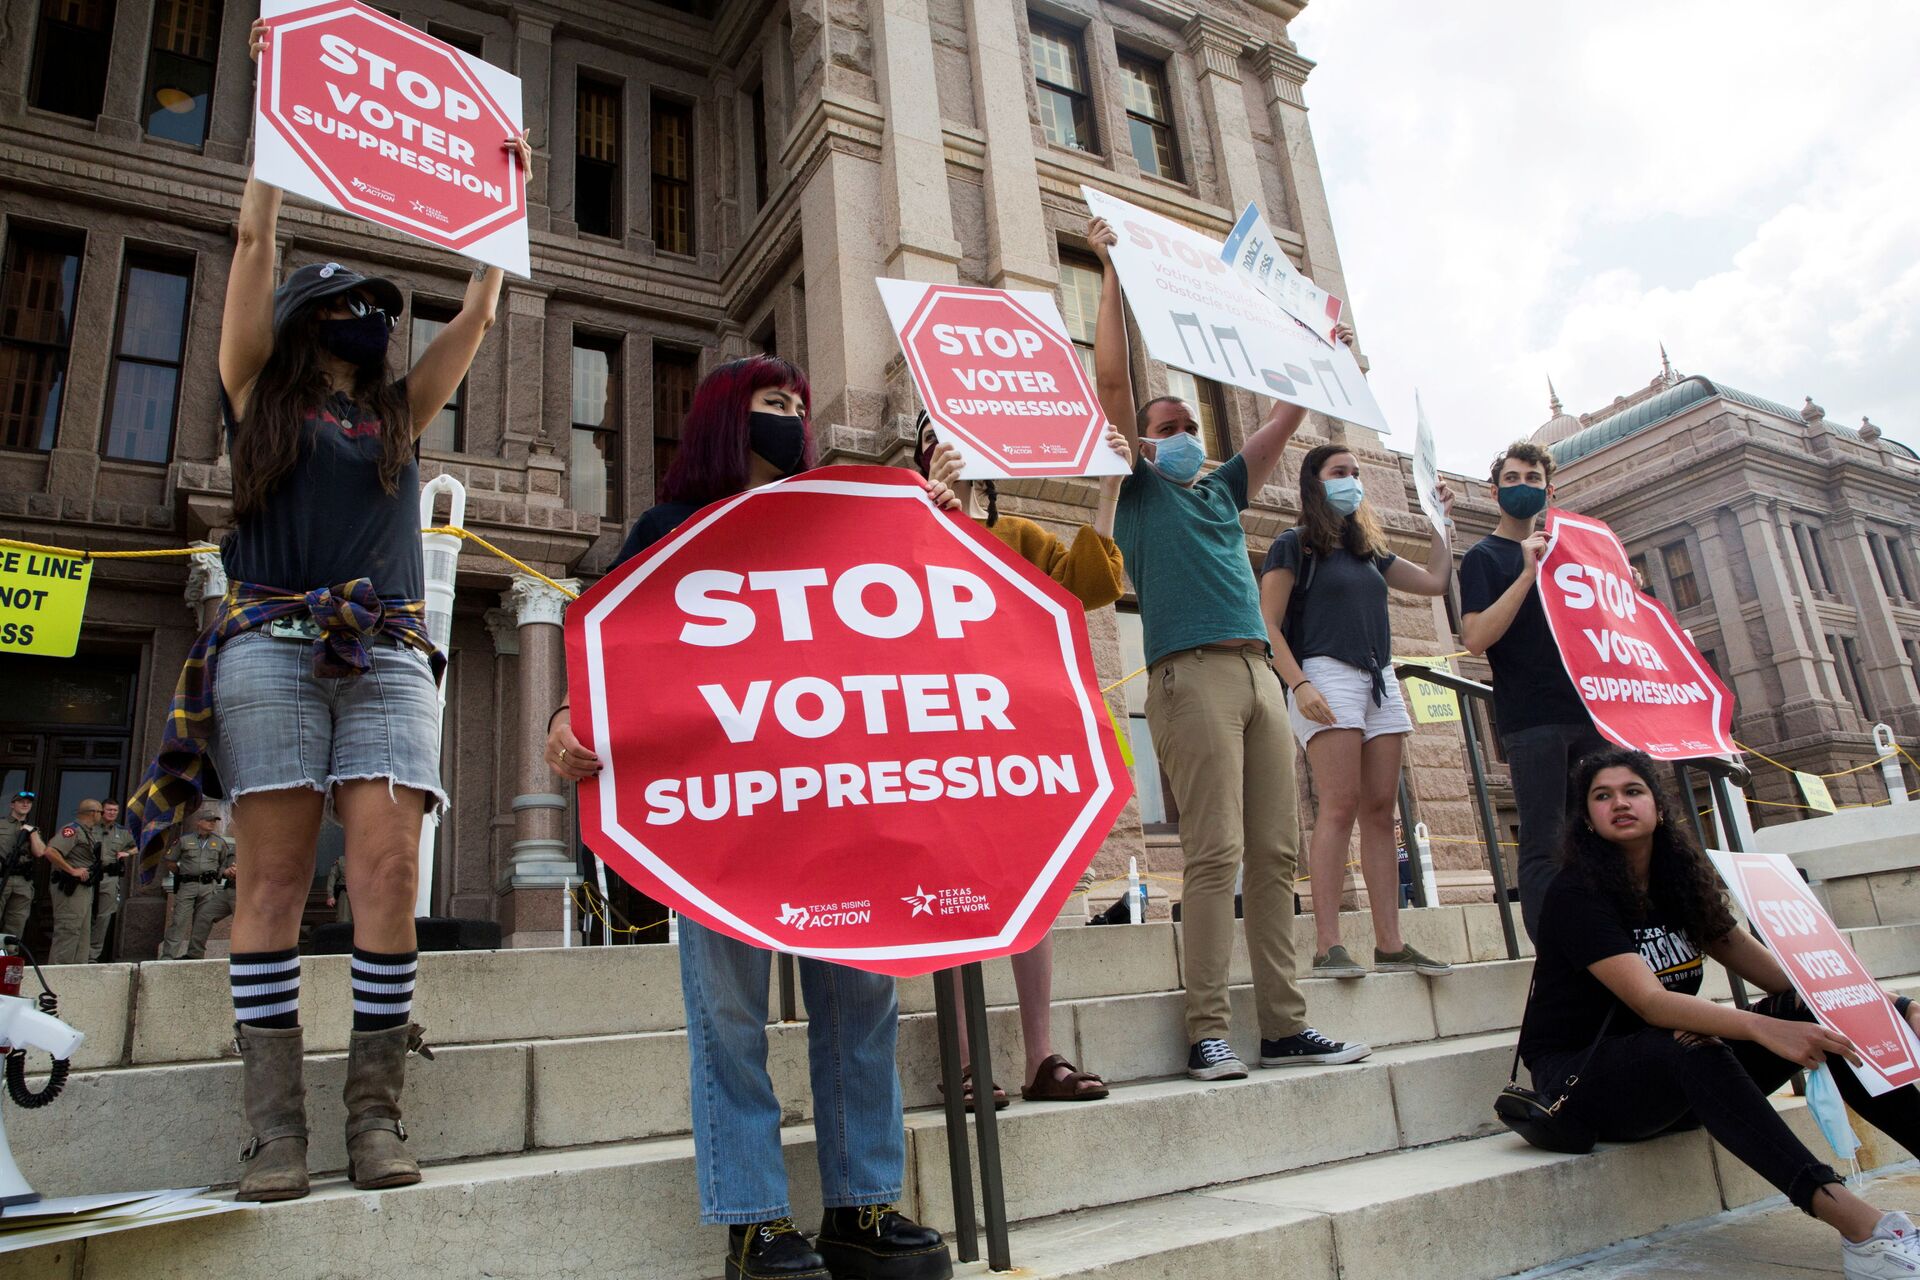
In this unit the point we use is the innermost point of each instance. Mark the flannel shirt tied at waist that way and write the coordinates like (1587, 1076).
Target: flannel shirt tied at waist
(349, 615)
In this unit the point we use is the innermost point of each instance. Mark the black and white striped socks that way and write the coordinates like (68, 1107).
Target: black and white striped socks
(266, 988)
(383, 989)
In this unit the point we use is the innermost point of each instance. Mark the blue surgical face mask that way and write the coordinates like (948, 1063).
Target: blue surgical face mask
(1523, 501)
(1178, 458)
(1345, 494)
(1830, 1113)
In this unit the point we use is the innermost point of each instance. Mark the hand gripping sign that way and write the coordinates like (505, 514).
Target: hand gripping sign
(1198, 314)
(1000, 380)
(1643, 682)
(361, 112)
(1824, 969)
(838, 722)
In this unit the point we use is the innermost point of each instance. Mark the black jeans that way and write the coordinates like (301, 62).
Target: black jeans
(1540, 761)
(1650, 1082)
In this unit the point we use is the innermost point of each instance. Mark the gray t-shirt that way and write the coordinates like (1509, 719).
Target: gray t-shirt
(1343, 611)
(1187, 556)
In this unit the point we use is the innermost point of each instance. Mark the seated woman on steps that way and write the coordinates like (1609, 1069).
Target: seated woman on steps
(1623, 930)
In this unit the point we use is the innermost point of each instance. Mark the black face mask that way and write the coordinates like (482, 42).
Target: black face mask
(779, 438)
(359, 340)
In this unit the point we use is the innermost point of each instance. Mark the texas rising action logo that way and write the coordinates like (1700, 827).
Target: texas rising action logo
(827, 914)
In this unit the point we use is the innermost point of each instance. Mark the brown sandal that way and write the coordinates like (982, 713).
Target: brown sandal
(1000, 1099)
(1074, 1086)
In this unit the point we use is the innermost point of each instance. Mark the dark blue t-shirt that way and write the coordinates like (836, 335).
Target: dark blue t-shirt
(1343, 611)
(1530, 682)
(655, 523)
(330, 520)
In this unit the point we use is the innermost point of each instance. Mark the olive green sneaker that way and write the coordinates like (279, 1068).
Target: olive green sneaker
(1410, 959)
(1336, 963)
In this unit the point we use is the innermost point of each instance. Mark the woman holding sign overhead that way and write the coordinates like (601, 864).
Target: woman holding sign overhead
(314, 692)
(1091, 569)
(1323, 590)
(749, 426)
(1616, 1022)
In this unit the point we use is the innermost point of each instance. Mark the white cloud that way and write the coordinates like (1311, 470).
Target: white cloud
(1524, 189)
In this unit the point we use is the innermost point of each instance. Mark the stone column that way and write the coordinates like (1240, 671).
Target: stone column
(533, 63)
(842, 251)
(1879, 634)
(913, 165)
(121, 117)
(541, 858)
(1216, 54)
(1018, 253)
(1805, 707)
(1286, 74)
(206, 587)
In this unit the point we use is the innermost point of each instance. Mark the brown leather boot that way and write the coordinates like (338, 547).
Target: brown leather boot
(274, 1161)
(376, 1073)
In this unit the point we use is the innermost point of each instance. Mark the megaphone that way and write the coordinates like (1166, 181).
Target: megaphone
(25, 1025)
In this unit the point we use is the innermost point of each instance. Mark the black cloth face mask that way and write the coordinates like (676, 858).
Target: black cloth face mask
(780, 438)
(359, 340)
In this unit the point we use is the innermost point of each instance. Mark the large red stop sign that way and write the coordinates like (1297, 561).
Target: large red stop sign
(1004, 380)
(392, 124)
(838, 722)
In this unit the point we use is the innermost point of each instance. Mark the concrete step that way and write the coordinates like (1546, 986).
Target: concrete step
(179, 1011)
(1471, 1209)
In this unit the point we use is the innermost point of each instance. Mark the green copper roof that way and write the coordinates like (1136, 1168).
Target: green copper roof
(1672, 402)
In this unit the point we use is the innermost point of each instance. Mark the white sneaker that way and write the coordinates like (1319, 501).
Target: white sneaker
(1892, 1252)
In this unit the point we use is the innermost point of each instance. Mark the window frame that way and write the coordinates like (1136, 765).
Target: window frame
(434, 311)
(612, 346)
(155, 53)
(1157, 76)
(1209, 397)
(1675, 581)
(175, 263)
(659, 183)
(1075, 39)
(471, 43)
(585, 84)
(762, 145)
(36, 72)
(677, 357)
(76, 248)
(1074, 259)
(1856, 677)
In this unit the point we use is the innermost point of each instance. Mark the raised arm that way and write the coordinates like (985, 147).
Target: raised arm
(1432, 579)
(1481, 631)
(1112, 378)
(246, 322)
(436, 374)
(1109, 504)
(1262, 451)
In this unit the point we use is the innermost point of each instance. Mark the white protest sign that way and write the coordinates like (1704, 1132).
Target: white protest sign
(1198, 314)
(1001, 380)
(1253, 251)
(1426, 472)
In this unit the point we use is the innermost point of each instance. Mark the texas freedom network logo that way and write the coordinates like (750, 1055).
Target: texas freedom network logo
(945, 902)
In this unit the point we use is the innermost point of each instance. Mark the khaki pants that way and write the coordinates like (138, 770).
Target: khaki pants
(1219, 725)
(342, 909)
(106, 902)
(196, 909)
(16, 904)
(72, 924)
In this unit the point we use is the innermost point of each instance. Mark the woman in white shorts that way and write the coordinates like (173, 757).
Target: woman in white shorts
(1323, 590)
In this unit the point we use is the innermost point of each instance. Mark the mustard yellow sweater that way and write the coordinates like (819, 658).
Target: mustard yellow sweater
(1091, 568)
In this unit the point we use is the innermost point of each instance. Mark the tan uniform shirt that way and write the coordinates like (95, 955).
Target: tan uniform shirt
(114, 840)
(10, 841)
(201, 855)
(79, 846)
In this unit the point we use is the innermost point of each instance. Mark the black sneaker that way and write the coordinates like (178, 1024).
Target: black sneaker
(772, 1251)
(878, 1242)
(1215, 1060)
(1310, 1048)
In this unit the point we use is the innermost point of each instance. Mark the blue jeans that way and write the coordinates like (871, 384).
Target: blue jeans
(1540, 761)
(853, 1022)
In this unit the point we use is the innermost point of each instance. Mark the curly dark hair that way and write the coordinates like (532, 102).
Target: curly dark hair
(1682, 885)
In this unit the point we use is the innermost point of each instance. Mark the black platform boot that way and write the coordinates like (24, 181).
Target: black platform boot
(772, 1251)
(878, 1242)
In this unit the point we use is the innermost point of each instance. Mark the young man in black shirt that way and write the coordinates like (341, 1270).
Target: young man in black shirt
(1544, 727)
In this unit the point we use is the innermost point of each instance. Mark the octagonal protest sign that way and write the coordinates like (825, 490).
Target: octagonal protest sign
(1642, 680)
(838, 722)
(1001, 380)
(364, 113)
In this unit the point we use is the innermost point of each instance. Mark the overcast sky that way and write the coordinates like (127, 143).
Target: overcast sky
(1523, 188)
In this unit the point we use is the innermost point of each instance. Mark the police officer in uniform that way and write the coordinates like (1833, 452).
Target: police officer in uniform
(337, 891)
(201, 865)
(20, 844)
(116, 864)
(75, 854)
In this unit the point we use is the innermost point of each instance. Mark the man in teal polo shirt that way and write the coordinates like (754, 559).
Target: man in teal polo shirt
(1214, 705)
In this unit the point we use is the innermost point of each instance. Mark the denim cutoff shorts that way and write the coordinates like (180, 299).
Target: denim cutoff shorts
(277, 726)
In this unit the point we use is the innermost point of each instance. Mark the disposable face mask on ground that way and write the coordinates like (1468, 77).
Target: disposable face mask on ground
(1178, 458)
(1345, 494)
(1522, 501)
